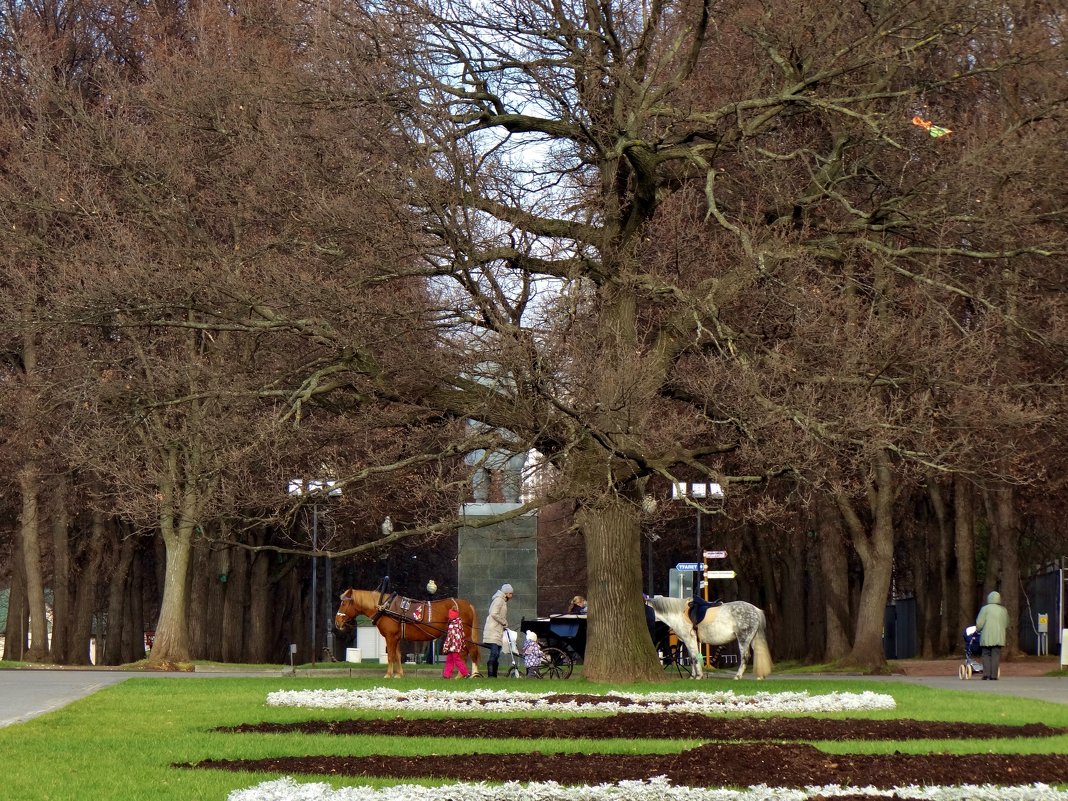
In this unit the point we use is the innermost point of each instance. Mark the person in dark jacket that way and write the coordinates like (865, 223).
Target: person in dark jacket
(992, 623)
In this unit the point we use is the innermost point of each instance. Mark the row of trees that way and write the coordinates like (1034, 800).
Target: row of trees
(698, 240)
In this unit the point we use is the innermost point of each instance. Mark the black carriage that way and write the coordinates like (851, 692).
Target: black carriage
(563, 638)
(563, 642)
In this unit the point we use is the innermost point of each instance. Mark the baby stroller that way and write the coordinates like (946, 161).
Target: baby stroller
(511, 637)
(972, 652)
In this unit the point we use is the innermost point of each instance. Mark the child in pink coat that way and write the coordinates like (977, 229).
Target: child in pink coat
(454, 647)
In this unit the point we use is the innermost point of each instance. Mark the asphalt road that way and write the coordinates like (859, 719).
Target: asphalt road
(25, 694)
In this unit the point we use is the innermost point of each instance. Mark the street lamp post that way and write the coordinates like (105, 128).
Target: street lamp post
(431, 588)
(316, 490)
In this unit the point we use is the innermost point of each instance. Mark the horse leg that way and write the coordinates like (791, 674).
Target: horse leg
(745, 642)
(393, 657)
(693, 646)
(472, 654)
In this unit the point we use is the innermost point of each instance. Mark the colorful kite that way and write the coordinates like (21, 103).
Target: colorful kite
(934, 130)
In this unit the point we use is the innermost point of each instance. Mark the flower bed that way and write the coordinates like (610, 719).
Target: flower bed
(287, 789)
(656, 788)
(389, 700)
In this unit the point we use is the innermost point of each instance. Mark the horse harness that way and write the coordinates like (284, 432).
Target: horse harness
(407, 610)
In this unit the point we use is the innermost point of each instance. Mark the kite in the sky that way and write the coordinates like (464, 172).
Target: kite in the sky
(934, 130)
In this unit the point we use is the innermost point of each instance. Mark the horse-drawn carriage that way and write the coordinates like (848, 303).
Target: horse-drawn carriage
(563, 641)
(400, 618)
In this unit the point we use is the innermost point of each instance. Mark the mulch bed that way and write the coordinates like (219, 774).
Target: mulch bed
(760, 760)
(668, 725)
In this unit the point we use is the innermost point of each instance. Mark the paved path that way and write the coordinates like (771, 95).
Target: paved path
(25, 694)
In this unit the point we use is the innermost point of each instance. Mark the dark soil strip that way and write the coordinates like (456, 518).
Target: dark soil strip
(669, 725)
(712, 765)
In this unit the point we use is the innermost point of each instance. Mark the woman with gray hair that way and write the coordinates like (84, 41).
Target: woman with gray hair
(496, 624)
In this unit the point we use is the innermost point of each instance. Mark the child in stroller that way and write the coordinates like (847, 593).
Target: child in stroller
(972, 651)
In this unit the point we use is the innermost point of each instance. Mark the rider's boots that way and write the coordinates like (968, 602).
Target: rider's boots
(491, 668)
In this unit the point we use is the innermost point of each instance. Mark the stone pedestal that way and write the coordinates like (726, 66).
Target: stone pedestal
(505, 552)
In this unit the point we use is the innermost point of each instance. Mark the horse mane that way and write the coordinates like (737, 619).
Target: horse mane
(668, 605)
(672, 611)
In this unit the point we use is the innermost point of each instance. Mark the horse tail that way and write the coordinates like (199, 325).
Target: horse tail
(473, 648)
(761, 653)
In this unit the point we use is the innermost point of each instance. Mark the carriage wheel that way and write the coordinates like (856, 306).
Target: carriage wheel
(999, 672)
(968, 671)
(960, 672)
(513, 672)
(675, 656)
(555, 664)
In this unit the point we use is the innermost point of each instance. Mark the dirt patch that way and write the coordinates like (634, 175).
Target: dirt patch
(720, 764)
(669, 725)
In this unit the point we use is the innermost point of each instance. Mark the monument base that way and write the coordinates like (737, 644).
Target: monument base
(505, 552)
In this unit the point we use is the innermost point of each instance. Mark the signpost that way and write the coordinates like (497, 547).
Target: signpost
(719, 574)
(715, 554)
(692, 567)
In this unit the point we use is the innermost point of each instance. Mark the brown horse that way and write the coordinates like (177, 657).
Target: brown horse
(403, 618)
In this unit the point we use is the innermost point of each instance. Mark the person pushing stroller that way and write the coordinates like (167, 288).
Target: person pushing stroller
(991, 624)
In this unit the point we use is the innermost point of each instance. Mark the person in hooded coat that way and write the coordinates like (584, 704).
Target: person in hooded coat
(992, 623)
(496, 624)
(454, 648)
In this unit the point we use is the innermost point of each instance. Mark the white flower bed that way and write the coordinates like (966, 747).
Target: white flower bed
(654, 790)
(390, 700)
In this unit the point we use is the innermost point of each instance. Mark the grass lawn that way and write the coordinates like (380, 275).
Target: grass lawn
(119, 744)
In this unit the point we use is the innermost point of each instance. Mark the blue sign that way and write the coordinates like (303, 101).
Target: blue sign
(683, 566)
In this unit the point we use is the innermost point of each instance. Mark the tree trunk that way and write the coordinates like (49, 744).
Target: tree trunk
(835, 570)
(816, 607)
(61, 578)
(172, 630)
(260, 601)
(922, 543)
(120, 576)
(133, 628)
(1008, 527)
(30, 534)
(618, 648)
(17, 615)
(876, 551)
(792, 606)
(179, 513)
(964, 530)
(85, 596)
(204, 612)
(235, 606)
(940, 627)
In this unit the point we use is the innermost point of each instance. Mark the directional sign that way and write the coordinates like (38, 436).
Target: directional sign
(715, 554)
(691, 566)
(719, 574)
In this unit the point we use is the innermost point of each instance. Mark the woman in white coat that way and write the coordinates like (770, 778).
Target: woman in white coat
(496, 624)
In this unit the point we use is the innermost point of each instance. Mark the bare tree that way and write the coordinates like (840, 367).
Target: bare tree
(760, 262)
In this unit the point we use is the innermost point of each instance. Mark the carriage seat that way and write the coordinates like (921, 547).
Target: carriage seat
(699, 607)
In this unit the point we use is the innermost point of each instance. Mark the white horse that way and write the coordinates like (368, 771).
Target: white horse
(736, 620)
